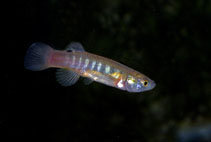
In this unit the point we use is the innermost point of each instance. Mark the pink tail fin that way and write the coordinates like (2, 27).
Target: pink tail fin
(37, 56)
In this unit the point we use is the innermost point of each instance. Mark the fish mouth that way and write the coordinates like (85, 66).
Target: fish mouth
(153, 84)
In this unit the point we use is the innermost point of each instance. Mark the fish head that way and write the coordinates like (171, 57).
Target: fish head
(139, 84)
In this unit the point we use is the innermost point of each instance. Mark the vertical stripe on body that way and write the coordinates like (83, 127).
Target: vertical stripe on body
(86, 63)
(99, 65)
(93, 65)
(79, 63)
(107, 69)
(116, 73)
(73, 61)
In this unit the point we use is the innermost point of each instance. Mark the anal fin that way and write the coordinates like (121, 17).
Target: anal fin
(66, 77)
(87, 81)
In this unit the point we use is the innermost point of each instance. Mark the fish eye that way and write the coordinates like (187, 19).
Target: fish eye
(145, 83)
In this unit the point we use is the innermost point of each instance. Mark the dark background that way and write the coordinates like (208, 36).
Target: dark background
(169, 41)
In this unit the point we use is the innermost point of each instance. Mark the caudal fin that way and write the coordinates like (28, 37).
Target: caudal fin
(36, 56)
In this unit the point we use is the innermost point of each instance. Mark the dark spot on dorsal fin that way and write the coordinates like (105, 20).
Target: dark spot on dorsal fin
(75, 46)
(69, 50)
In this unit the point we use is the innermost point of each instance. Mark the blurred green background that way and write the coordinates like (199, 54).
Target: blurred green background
(169, 41)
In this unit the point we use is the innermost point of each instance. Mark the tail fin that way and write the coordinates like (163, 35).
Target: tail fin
(36, 56)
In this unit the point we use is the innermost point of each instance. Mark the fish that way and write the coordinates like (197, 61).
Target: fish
(74, 62)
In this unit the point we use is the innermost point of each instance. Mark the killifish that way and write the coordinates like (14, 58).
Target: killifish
(74, 62)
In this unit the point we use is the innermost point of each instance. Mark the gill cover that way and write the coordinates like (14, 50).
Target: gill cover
(132, 84)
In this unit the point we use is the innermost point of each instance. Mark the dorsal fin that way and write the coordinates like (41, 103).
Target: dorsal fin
(66, 77)
(75, 46)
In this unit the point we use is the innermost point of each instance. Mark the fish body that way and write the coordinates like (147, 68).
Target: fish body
(75, 62)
